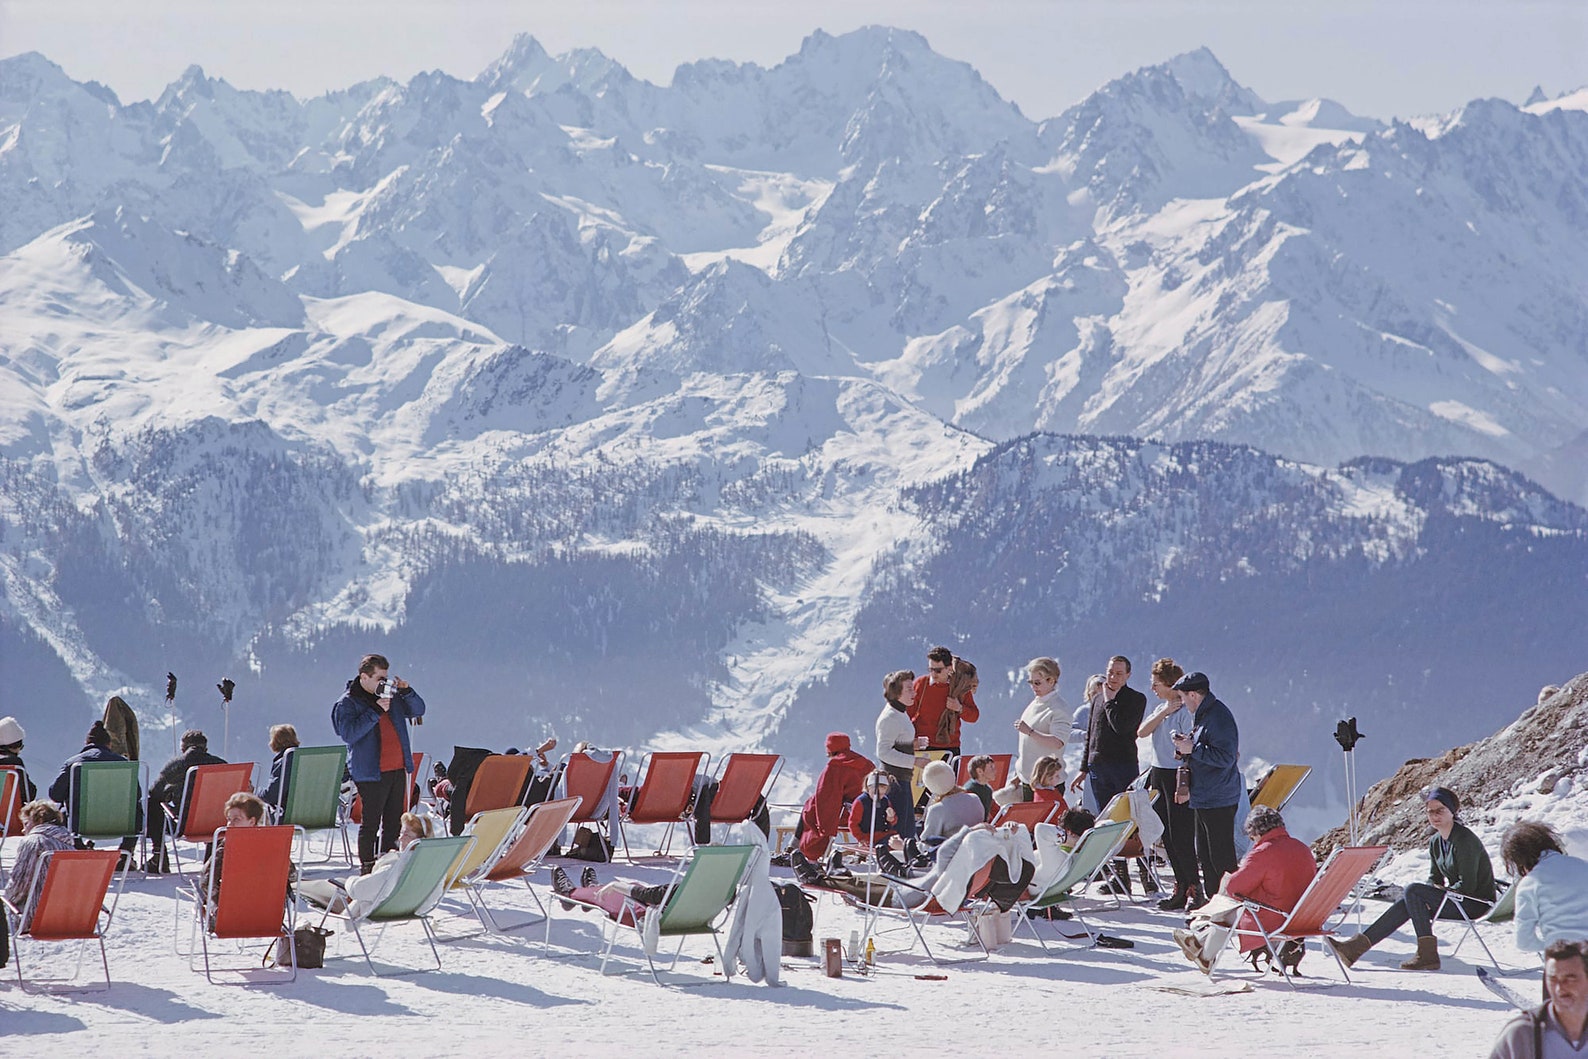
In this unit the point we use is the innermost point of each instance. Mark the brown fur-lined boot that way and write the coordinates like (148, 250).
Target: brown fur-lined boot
(1351, 949)
(1427, 958)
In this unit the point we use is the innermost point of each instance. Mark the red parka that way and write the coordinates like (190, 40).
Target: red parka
(1276, 872)
(840, 783)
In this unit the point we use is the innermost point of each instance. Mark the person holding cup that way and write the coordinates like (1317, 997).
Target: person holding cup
(372, 719)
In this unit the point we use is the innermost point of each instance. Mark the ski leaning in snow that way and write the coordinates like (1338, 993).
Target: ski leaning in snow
(1504, 992)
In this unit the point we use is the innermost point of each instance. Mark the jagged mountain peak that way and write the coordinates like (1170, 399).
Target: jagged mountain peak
(1202, 76)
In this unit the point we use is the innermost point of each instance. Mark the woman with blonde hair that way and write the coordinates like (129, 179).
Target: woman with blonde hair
(1041, 721)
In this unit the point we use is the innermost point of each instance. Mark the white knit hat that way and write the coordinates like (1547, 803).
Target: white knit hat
(938, 778)
(11, 731)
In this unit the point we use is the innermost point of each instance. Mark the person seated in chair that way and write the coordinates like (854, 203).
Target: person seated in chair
(840, 782)
(1458, 864)
(1276, 872)
(624, 902)
(43, 831)
(166, 792)
(874, 816)
(1047, 781)
(96, 747)
(283, 737)
(242, 810)
(11, 737)
(359, 893)
(981, 770)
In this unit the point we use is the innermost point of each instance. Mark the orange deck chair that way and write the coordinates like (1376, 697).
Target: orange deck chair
(744, 781)
(67, 908)
(203, 805)
(1001, 766)
(1323, 897)
(498, 783)
(252, 899)
(663, 796)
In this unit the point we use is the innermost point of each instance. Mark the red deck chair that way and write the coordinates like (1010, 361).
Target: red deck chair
(744, 781)
(11, 788)
(1028, 813)
(67, 908)
(1001, 765)
(499, 783)
(588, 779)
(541, 828)
(409, 795)
(1323, 897)
(663, 796)
(252, 899)
(203, 805)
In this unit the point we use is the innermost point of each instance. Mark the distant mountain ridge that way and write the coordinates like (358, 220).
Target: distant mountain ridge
(555, 381)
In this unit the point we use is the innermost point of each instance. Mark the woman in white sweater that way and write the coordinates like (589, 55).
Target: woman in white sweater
(896, 744)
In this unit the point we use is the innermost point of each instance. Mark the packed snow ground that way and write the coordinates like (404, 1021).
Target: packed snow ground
(493, 991)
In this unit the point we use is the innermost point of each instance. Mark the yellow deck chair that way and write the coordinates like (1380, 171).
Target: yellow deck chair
(1280, 785)
(493, 832)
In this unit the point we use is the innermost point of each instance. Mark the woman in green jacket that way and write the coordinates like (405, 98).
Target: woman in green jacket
(1458, 866)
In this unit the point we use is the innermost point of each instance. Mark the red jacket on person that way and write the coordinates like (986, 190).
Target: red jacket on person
(1276, 872)
(927, 710)
(840, 783)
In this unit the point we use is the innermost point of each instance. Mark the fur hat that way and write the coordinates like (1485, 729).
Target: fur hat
(193, 738)
(98, 734)
(11, 732)
(837, 741)
(938, 778)
(1008, 794)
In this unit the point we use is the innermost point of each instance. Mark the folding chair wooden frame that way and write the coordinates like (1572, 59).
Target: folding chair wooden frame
(519, 860)
(744, 781)
(203, 806)
(704, 887)
(664, 795)
(252, 901)
(1091, 853)
(1317, 905)
(67, 906)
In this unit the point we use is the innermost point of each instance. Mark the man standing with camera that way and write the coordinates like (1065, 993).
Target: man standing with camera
(372, 719)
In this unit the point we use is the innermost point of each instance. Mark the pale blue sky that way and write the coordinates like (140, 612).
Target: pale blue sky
(1389, 58)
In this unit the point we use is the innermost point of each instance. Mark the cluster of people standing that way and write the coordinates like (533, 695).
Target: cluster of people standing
(1195, 750)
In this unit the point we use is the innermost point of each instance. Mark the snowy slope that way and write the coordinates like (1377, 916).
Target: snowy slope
(556, 363)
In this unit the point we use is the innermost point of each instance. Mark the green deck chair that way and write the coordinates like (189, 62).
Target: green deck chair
(427, 869)
(703, 889)
(311, 795)
(1095, 847)
(103, 803)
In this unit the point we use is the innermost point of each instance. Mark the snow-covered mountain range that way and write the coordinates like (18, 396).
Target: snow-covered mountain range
(618, 408)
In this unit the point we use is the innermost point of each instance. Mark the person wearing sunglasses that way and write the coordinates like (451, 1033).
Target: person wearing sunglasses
(1458, 865)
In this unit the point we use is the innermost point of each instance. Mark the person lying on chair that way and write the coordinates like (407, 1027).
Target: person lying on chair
(614, 898)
